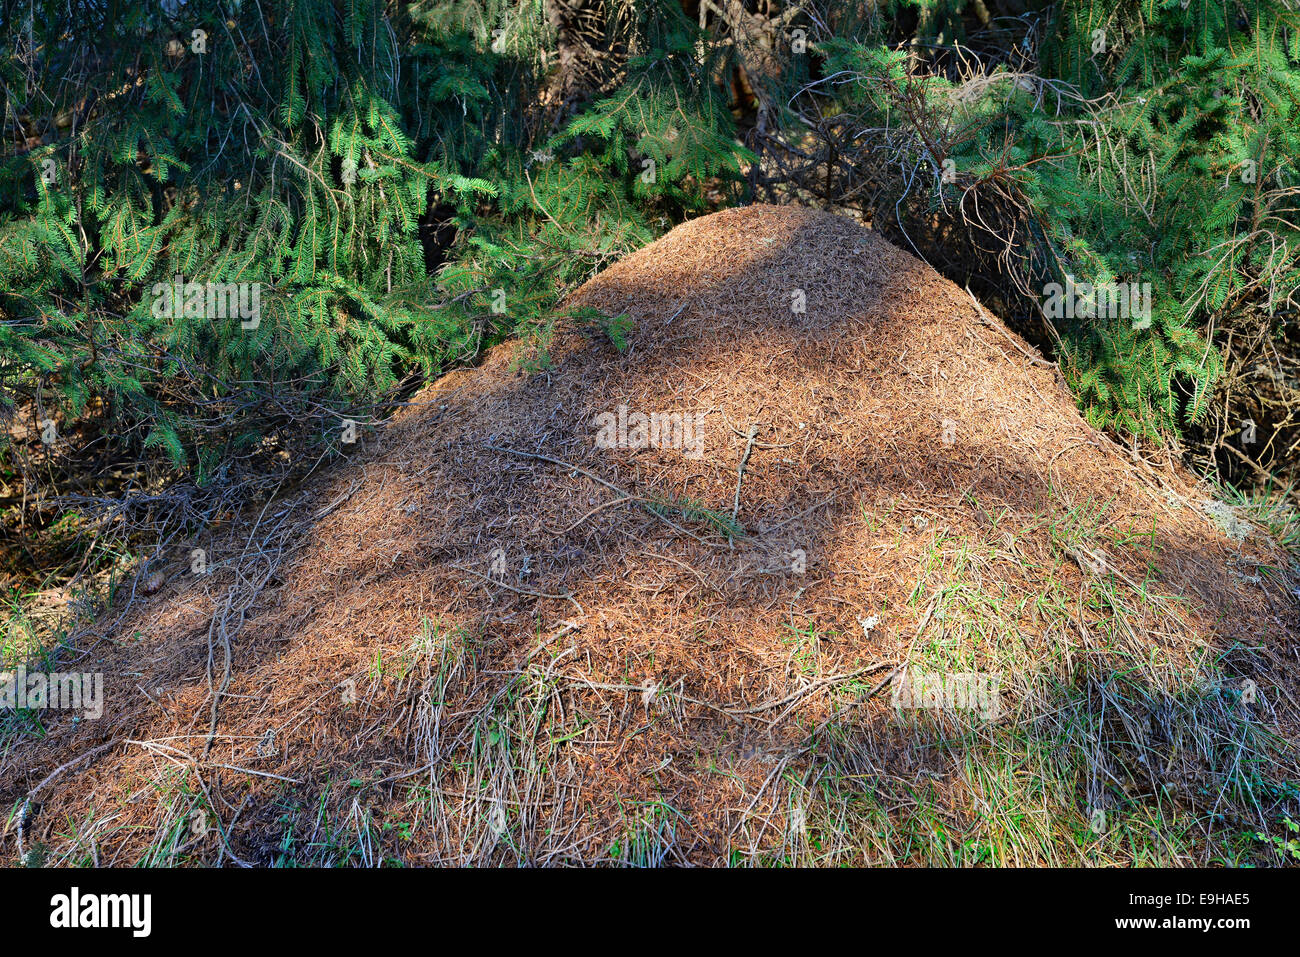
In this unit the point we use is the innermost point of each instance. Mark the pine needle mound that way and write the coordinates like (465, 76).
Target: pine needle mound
(487, 639)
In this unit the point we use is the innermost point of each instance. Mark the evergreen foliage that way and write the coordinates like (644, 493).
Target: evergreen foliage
(1149, 143)
(297, 147)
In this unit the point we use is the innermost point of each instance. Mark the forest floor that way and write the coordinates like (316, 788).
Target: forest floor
(880, 597)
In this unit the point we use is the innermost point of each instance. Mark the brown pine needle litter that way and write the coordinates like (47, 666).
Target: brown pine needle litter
(489, 640)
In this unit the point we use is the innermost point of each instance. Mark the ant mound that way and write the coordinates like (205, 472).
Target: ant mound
(822, 566)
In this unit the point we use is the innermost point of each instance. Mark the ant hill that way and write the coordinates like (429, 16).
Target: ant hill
(822, 566)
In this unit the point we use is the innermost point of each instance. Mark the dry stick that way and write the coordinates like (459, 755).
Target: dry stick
(207, 794)
(800, 515)
(609, 485)
(731, 711)
(997, 327)
(865, 698)
(225, 680)
(27, 801)
(521, 591)
(1259, 469)
(794, 699)
(920, 630)
(273, 565)
(740, 473)
(758, 445)
(668, 558)
(612, 501)
(336, 503)
(154, 745)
